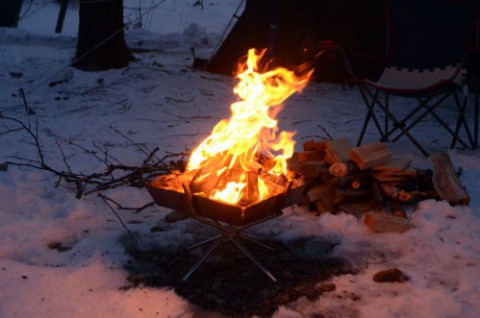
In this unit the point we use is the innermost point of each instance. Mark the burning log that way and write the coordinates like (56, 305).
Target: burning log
(211, 174)
(251, 194)
(243, 161)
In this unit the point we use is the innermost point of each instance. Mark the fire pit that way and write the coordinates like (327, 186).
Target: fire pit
(228, 219)
(221, 211)
(237, 177)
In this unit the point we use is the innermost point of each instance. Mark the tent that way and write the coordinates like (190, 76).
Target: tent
(293, 32)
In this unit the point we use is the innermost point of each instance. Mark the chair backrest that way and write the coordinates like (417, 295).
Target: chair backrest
(429, 34)
(428, 40)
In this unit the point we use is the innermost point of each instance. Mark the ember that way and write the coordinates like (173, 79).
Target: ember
(244, 159)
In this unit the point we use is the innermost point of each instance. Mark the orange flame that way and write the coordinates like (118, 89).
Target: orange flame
(225, 164)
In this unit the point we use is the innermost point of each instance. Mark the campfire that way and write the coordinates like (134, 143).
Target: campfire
(244, 159)
(240, 175)
(237, 177)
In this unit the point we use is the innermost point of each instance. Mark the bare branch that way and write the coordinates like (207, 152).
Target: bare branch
(114, 173)
(121, 207)
(105, 199)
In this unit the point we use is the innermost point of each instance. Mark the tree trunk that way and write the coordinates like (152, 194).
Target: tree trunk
(10, 12)
(101, 39)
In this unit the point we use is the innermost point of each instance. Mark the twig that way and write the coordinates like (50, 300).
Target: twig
(29, 131)
(64, 158)
(326, 132)
(113, 175)
(121, 207)
(118, 217)
(9, 130)
(28, 110)
(136, 144)
(175, 100)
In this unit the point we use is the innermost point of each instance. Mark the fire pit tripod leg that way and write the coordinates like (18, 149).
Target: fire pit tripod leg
(202, 259)
(253, 259)
(194, 246)
(227, 232)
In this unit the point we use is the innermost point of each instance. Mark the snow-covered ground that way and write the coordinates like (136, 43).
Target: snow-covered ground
(159, 101)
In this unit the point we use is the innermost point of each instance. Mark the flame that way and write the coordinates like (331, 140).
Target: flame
(225, 165)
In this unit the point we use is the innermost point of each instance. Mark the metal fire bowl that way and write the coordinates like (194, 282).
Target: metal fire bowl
(220, 211)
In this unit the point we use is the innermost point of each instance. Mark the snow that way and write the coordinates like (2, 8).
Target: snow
(159, 101)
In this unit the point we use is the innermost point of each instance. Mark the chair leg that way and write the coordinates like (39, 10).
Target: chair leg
(475, 119)
(387, 106)
(367, 118)
(461, 119)
(370, 102)
(400, 125)
(424, 104)
(429, 110)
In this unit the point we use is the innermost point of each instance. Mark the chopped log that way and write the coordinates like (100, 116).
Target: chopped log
(359, 184)
(381, 223)
(358, 208)
(314, 145)
(349, 195)
(395, 193)
(318, 192)
(338, 169)
(393, 164)
(445, 180)
(377, 195)
(322, 197)
(396, 209)
(325, 205)
(327, 178)
(369, 155)
(342, 168)
(337, 150)
(311, 169)
(357, 181)
(395, 176)
(313, 155)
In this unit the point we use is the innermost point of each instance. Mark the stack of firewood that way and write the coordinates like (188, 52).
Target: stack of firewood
(370, 183)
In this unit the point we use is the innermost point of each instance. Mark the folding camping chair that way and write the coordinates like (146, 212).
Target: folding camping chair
(427, 64)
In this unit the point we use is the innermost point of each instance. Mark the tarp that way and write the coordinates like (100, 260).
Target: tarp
(293, 32)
